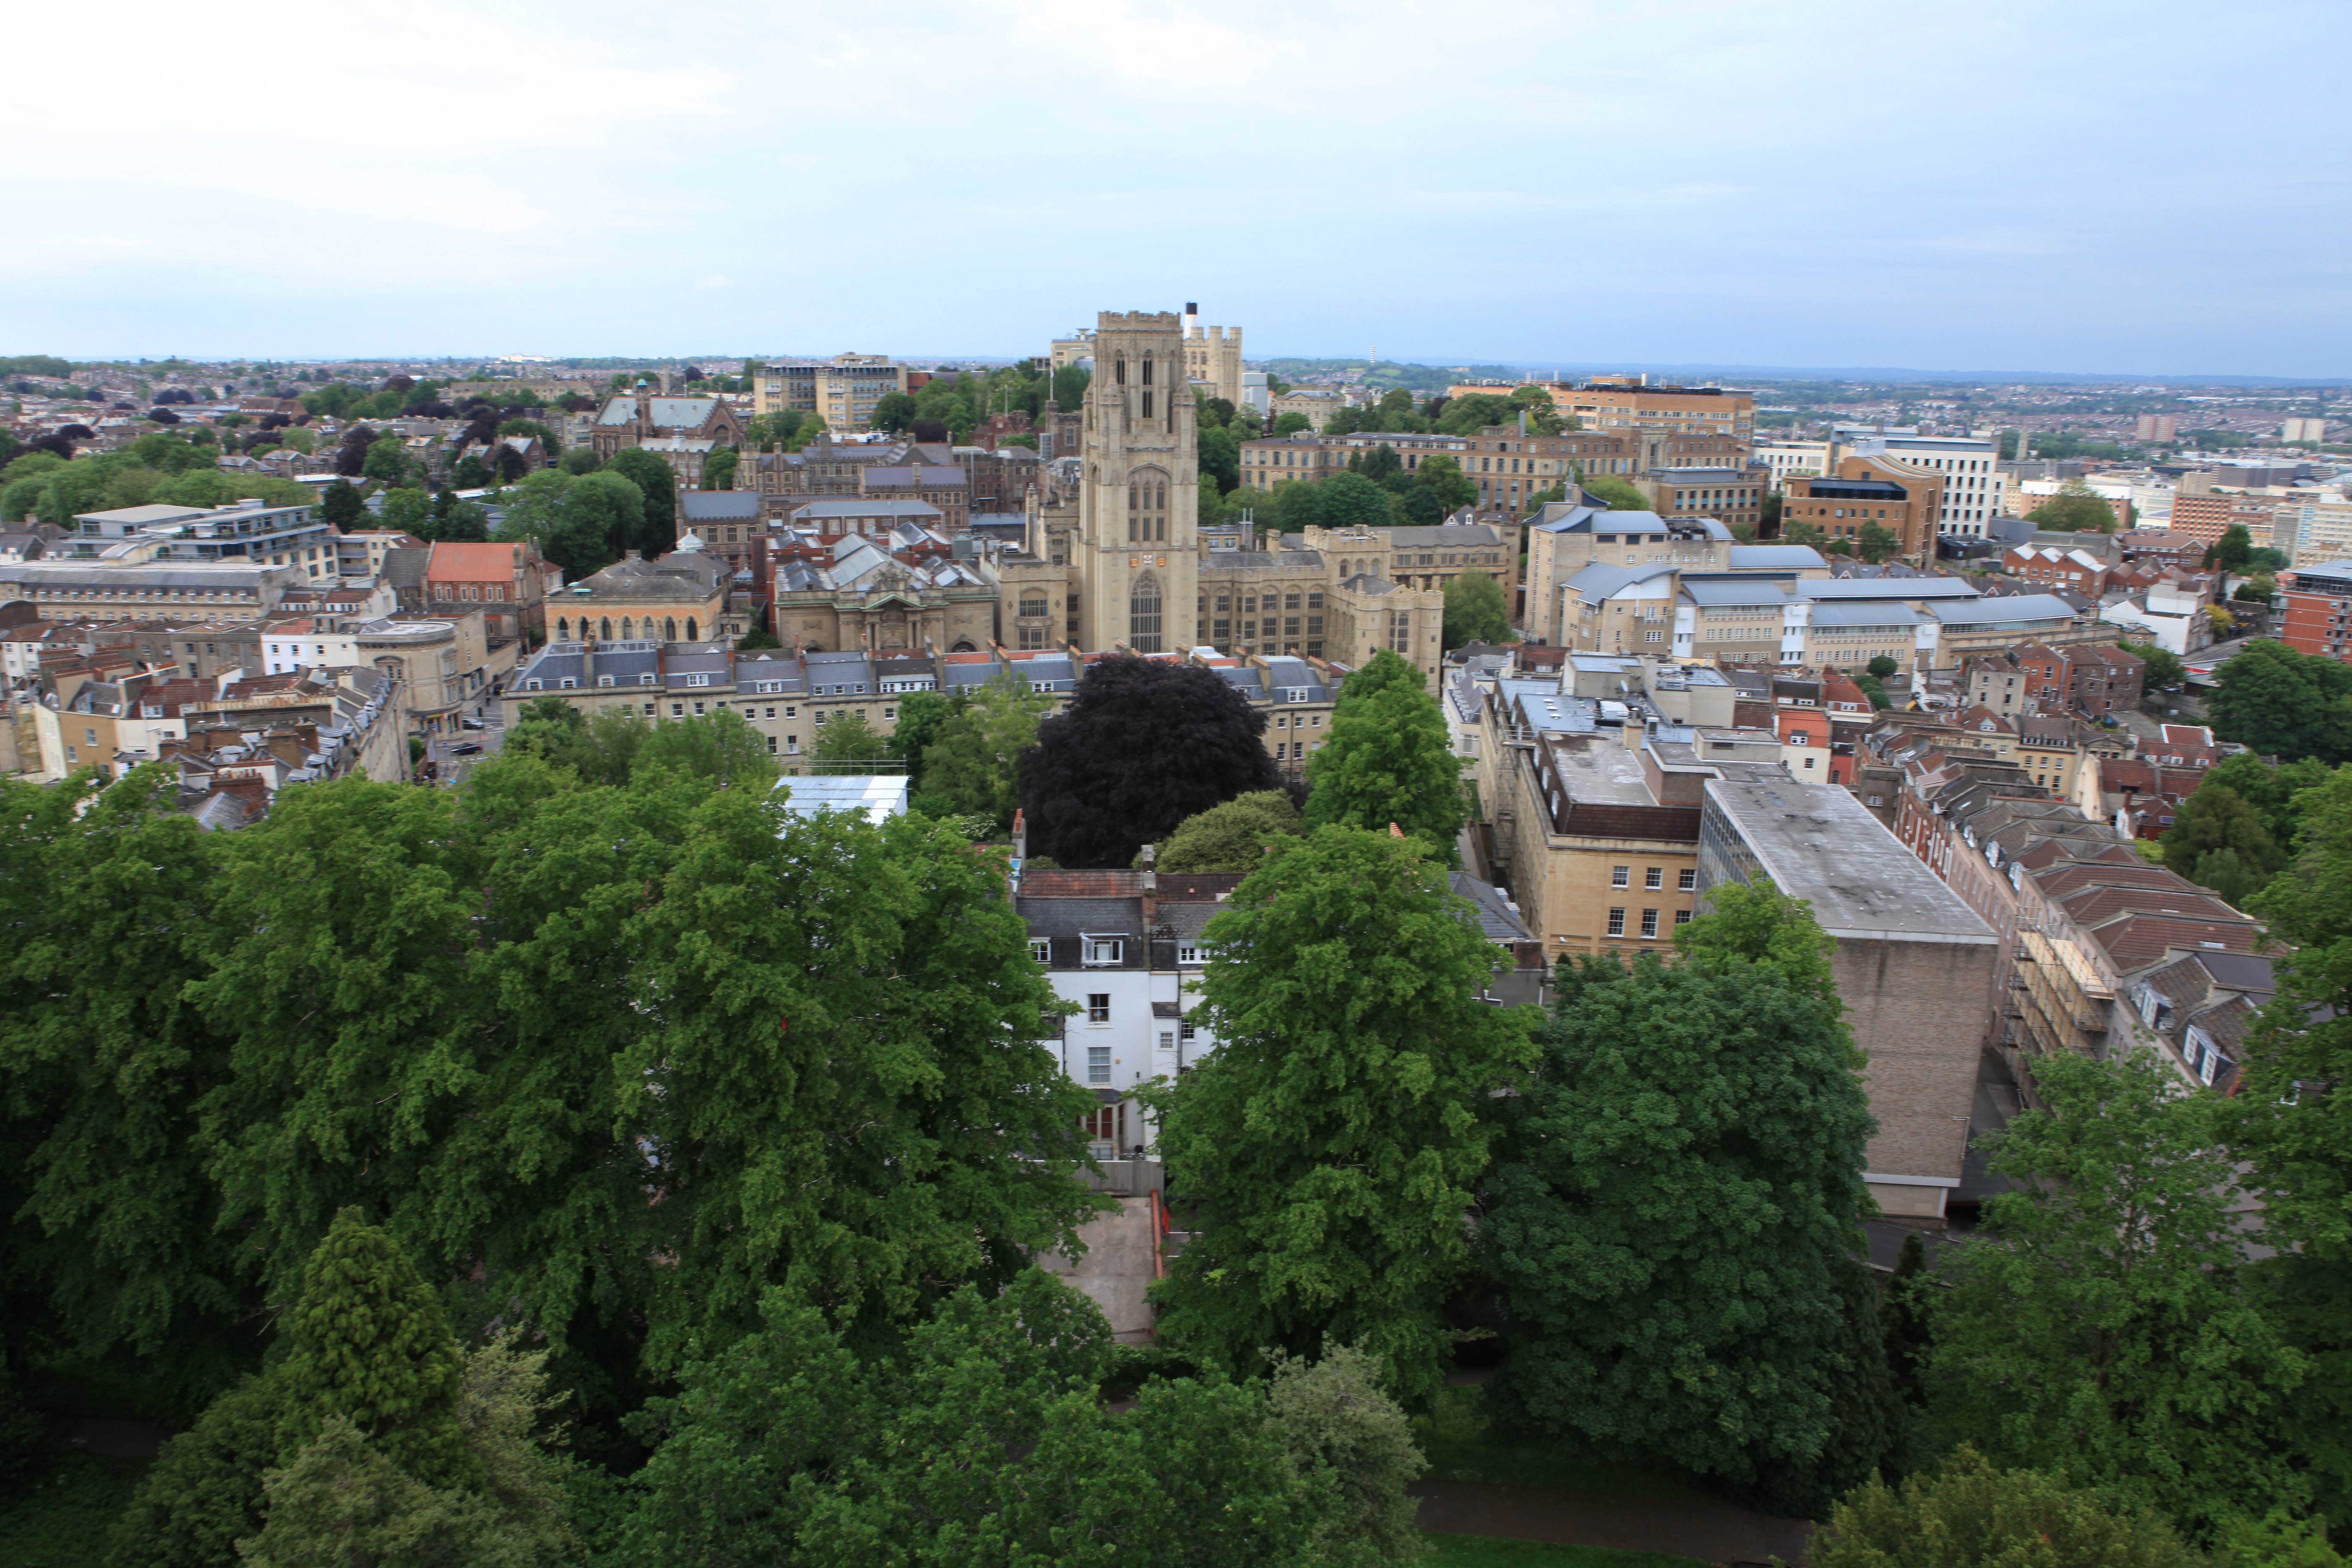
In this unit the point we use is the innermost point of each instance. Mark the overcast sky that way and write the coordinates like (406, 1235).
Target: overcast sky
(2026, 184)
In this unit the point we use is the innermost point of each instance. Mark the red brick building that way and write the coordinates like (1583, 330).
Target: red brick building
(2318, 609)
(507, 583)
(2206, 518)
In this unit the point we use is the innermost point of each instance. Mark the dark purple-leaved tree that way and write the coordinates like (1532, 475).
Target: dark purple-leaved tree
(1143, 745)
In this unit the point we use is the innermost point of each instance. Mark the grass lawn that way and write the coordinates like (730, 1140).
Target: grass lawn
(1493, 1552)
(61, 1518)
(1460, 1447)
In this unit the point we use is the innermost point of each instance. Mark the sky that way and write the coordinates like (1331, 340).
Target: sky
(2088, 186)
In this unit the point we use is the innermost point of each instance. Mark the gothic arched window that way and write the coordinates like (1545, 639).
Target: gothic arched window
(1119, 372)
(563, 628)
(628, 629)
(689, 630)
(1143, 615)
(669, 629)
(1147, 371)
(606, 632)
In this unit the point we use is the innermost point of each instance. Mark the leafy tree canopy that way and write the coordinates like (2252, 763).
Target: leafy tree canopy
(1230, 837)
(1667, 1214)
(2283, 703)
(1334, 1139)
(1389, 760)
(2062, 1343)
(1475, 611)
(1142, 745)
(1968, 1511)
(2075, 508)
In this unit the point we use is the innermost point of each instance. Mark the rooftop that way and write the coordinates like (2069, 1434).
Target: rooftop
(1818, 843)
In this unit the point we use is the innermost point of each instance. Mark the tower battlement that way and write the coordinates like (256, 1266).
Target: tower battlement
(1138, 322)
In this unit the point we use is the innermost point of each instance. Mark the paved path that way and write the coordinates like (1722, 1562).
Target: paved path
(1704, 1528)
(1116, 1269)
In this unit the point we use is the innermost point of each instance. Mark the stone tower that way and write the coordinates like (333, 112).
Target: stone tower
(1137, 556)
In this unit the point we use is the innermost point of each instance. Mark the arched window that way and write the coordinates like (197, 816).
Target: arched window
(669, 629)
(690, 636)
(563, 628)
(1119, 372)
(1143, 615)
(628, 629)
(1147, 370)
(607, 625)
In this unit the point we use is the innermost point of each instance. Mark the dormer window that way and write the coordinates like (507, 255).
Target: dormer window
(1102, 952)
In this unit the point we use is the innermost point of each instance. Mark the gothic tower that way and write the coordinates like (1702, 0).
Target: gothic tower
(1137, 565)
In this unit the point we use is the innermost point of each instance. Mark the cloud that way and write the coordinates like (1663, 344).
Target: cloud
(1685, 180)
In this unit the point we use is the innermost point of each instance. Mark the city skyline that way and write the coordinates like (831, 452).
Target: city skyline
(1700, 182)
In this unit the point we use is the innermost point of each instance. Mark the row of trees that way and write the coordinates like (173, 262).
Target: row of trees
(495, 1020)
(162, 467)
(978, 1435)
(2285, 704)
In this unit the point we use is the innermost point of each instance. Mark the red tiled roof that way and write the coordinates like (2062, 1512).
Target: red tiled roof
(474, 562)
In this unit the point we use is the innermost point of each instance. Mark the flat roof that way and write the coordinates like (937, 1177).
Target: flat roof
(1819, 843)
(877, 795)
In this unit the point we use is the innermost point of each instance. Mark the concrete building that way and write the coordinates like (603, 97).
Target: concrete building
(681, 430)
(1600, 405)
(2318, 609)
(681, 597)
(1212, 357)
(842, 389)
(1914, 966)
(1866, 492)
(72, 589)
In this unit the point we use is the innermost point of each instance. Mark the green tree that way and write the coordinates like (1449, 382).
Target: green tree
(1230, 837)
(1875, 543)
(1614, 493)
(1289, 425)
(982, 1440)
(2216, 817)
(721, 747)
(204, 1490)
(848, 738)
(499, 1017)
(1475, 611)
(2299, 1143)
(893, 413)
(1351, 501)
(1389, 760)
(2164, 670)
(2274, 789)
(2232, 551)
(371, 1345)
(756, 638)
(719, 470)
(1668, 1215)
(2102, 1322)
(2283, 703)
(580, 460)
(1442, 478)
(340, 504)
(386, 461)
(1883, 666)
(2075, 508)
(1970, 1512)
(1472, 412)
(108, 1210)
(410, 509)
(1336, 1419)
(920, 715)
(973, 764)
(470, 473)
(1876, 690)
(1334, 1139)
(656, 484)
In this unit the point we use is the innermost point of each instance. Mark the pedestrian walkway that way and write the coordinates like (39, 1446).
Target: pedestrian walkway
(1706, 1528)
